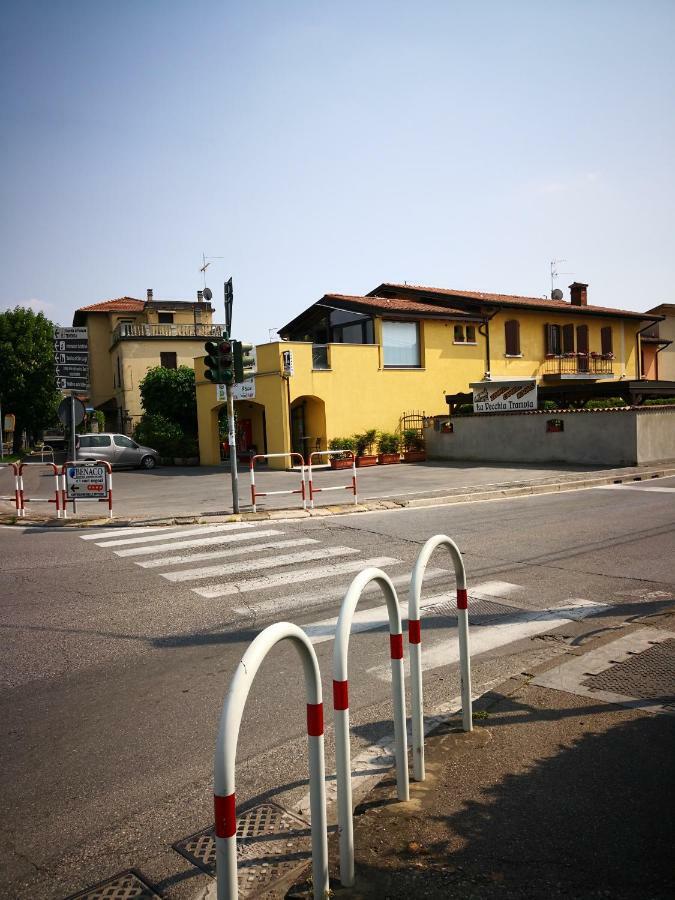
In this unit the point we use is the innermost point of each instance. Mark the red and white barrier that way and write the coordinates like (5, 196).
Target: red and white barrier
(16, 499)
(84, 499)
(291, 456)
(226, 751)
(341, 708)
(415, 641)
(56, 499)
(338, 487)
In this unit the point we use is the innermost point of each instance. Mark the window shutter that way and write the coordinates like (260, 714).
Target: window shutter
(548, 338)
(568, 338)
(606, 339)
(512, 337)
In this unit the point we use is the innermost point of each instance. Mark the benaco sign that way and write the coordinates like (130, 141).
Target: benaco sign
(504, 396)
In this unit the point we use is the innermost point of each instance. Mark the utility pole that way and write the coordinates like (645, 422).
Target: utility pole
(73, 442)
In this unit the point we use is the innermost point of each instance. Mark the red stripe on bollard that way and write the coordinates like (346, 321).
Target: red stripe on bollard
(462, 599)
(226, 815)
(340, 695)
(414, 631)
(396, 645)
(315, 719)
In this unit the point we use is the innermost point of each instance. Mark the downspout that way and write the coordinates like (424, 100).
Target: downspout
(486, 334)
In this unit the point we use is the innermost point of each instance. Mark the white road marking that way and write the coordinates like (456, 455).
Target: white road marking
(196, 542)
(219, 554)
(102, 533)
(252, 584)
(644, 486)
(300, 602)
(251, 565)
(208, 529)
(489, 637)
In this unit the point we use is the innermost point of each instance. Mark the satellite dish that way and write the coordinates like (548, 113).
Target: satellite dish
(556, 294)
(208, 295)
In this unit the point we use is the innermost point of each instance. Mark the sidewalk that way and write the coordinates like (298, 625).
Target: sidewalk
(552, 795)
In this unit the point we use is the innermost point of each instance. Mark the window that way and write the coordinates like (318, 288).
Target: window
(459, 334)
(165, 318)
(552, 339)
(512, 337)
(122, 441)
(119, 372)
(568, 339)
(471, 334)
(462, 335)
(94, 440)
(168, 361)
(606, 340)
(401, 344)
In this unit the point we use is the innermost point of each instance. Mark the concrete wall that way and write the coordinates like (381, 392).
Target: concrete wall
(599, 437)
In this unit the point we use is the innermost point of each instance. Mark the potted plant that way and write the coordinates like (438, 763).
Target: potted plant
(388, 445)
(413, 446)
(344, 460)
(364, 446)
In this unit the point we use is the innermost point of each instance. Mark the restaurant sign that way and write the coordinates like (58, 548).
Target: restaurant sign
(504, 396)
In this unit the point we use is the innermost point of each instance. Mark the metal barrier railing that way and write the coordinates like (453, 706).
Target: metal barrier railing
(224, 799)
(415, 641)
(291, 456)
(49, 450)
(339, 487)
(341, 708)
(94, 487)
(55, 499)
(16, 499)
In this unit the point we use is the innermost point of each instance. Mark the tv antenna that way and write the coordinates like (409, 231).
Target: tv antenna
(204, 266)
(555, 274)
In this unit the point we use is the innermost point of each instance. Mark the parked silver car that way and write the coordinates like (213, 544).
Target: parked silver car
(117, 449)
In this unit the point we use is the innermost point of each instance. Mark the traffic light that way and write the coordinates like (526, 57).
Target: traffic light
(242, 360)
(219, 361)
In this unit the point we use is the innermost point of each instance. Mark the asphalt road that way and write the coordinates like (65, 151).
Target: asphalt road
(116, 656)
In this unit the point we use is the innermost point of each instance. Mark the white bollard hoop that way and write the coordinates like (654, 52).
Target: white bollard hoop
(415, 641)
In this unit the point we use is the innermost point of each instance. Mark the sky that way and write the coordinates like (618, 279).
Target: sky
(328, 147)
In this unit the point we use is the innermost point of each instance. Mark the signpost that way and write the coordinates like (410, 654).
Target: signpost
(71, 357)
(86, 481)
(504, 396)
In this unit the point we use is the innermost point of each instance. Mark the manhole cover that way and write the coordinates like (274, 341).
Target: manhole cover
(649, 675)
(481, 612)
(125, 886)
(272, 844)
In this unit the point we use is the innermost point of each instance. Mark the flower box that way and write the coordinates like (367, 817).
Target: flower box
(389, 459)
(365, 460)
(340, 463)
(415, 456)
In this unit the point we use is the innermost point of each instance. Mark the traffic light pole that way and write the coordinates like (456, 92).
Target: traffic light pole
(232, 441)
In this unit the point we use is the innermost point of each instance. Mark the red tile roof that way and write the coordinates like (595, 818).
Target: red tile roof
(510, 300)
(121, 304)
(390, 304)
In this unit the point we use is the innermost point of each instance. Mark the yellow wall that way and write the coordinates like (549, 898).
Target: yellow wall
(357, 393)
(666, 357)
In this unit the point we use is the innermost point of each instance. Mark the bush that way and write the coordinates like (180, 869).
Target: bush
(170, 393)
(660, 401)
(162, 435)
(549, 405)
(412, 439)
(364, 442)
(342, 444)
(388, 442)
(605, 403)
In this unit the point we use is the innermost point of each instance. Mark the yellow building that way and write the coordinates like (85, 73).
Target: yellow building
(348, 364)
(658, 345)
(127, 337)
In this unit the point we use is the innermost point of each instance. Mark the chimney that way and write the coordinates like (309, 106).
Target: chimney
(149, 292)
(578, 293)
(200, 296)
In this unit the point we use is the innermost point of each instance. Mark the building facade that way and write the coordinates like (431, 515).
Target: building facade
(352, 363)
(658, 345)
(129, 336)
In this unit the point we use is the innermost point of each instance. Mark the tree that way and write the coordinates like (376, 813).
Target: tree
(170, 393)
(27, 373)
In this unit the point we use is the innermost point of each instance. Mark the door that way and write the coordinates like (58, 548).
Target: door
(127, 452)
(298, 428)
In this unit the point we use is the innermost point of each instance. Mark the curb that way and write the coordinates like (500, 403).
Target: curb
(375, 505)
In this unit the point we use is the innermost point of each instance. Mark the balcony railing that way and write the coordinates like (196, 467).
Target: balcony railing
(588, 365)
(320, 356)
(128, 331)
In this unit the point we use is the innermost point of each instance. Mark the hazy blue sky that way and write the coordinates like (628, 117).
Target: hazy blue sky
(331, 146)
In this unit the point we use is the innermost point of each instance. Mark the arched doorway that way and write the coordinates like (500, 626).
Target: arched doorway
(308, 425)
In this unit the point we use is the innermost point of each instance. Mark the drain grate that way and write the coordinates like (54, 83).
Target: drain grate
(481, 612)
(649, 675)
(125, 886)
(272, 844)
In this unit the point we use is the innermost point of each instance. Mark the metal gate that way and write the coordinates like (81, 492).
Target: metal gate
(413, 419)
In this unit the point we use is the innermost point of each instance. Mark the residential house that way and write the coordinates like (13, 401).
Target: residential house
(658, 345)
(129, 336)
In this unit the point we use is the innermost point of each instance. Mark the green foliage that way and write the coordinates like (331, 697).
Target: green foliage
(86, 425)
(660, 401)
(161, 434)
(388, 442)
(170, 393)
(548, 405)
(605, 403)
(27, 374)
(412, 439)
(339, 443)
(364, 442)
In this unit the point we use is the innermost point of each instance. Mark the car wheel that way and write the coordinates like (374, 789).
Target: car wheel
(148, 462)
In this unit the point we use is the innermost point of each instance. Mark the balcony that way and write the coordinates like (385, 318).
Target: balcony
(140, 332)
(579, 366)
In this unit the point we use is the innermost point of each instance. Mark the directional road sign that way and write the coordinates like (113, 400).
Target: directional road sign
(71, 358)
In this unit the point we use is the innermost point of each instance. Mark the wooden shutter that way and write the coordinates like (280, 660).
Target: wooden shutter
(568, 338)
(552, 339)
(606, 339)
(512, 337)
(582, 338)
